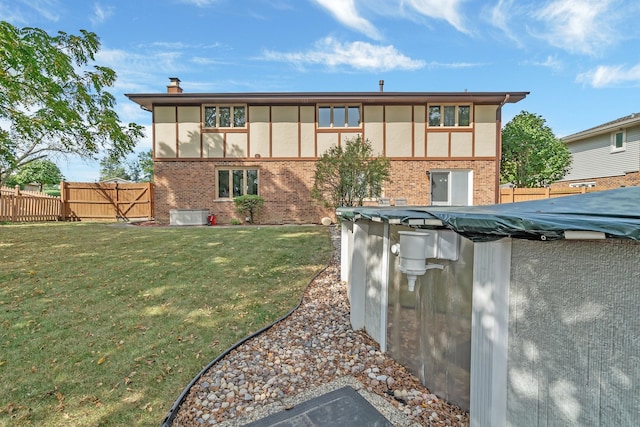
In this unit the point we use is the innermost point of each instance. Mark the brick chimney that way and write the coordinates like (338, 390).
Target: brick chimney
(174, 86)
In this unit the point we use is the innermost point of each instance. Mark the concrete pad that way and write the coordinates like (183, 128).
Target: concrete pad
(343, 407)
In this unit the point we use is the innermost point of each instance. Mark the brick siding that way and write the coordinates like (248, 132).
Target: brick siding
(286, 187)
(606, 183)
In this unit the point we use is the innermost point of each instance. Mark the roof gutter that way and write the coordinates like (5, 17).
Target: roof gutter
(602, 129)
(496, 189)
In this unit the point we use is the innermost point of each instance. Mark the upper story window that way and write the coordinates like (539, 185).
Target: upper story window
(224, 116)
(339, 116)
(449, 115)
(618, 141)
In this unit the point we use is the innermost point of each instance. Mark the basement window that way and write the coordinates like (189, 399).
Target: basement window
(589, 184)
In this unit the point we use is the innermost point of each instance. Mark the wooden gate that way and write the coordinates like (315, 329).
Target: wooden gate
(102, 201)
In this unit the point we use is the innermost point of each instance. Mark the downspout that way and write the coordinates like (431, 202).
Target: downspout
(496, 197)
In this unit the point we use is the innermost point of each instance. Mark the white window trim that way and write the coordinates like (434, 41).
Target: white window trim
(615, 149)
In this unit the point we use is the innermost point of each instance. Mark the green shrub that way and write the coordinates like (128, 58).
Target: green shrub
(249, 204)
(235, 221)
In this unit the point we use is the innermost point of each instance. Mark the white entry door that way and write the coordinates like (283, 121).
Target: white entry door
(452, 187)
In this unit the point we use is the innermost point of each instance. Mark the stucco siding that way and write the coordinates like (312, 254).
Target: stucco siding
(399, 131)
(213, 145)
(485, 131)
(437, 144)
(259, 131)
(188, 132)
(574, 350)
(461, 144)
(236, 145)
(284, 131)
(165, 132)
(374, 127)
(419, 130)
(326, 141)
(307, 132)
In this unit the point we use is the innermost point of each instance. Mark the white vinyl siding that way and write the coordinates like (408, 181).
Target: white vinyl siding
(593, 158)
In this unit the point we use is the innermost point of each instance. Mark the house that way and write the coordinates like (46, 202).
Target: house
(116, 180)
(211, 147)
(525, 314)
(606, 156)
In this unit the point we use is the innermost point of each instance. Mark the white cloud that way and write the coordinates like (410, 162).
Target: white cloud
(447, 10)
(200, 3)
(500, 15)
(101, 14)
(345, 12)
(358, 55)
(578, 26)
(11, 11)
(611, 75)
(549, 62)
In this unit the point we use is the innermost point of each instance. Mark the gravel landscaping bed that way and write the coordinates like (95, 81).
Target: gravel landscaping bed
(309, 350)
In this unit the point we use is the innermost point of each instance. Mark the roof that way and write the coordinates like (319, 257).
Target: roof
(616, 213)
(622, 122)
(147, 100)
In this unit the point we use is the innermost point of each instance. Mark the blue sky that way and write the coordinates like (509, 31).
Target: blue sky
(580, 59)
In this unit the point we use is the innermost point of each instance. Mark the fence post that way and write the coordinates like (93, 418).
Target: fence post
(547, 192)
(151, 201)
(16, 204)
(63, 200)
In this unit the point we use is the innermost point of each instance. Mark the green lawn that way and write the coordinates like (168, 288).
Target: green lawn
(106, 325)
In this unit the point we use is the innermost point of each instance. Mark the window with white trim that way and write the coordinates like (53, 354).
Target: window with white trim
(224, 116)
(618, 141)
(449, 115)
(339, 116)
(234, 182)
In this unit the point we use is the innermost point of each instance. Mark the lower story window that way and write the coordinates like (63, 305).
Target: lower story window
(237, 182)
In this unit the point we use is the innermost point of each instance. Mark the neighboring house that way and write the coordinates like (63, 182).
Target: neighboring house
(210, 147)
(116, 180)
(606, 156)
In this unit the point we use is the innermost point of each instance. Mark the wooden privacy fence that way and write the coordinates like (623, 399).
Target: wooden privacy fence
(512, 195)
(102, 201)
(28, 206)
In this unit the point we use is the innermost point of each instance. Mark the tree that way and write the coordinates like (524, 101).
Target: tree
(141, 168)
(53, 99)
(113, 167)
(41, 171)
(138, 169)
(249, 204)
(345, 175)
(532, 156)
